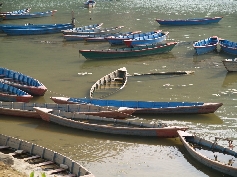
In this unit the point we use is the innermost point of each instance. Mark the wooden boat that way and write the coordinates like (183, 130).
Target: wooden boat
(128, 52)
(111, 30)
(147, 107)
(206, 45)
(210, 153)
(118, 40)
(22, 81)
(12, 94)
(37, 30)
(146, 40)
(118, 78)
(21, 11)
(107, 125)
(189, 21)
(89, 3)
(230, 64)
(21, 109)
(42, 158)
(29, 25)
(228, 46)
(87, 27)
(28, 15)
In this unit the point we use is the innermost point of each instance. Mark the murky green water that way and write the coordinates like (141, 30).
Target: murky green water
(56, 64)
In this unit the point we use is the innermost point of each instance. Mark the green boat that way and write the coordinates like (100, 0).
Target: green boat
(128, 52)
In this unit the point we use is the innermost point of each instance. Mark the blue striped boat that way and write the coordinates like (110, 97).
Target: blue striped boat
(229, 47)
(147, 107)
(21, 11)
(206, 45)
(118, 40)
(27, 15)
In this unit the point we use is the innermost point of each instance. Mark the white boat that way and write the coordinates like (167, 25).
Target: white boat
(222, 159)
(230, 64)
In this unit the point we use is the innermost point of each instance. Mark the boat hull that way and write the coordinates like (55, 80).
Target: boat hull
(128, 52)
(230, 64)
(162, 132)
(147, 107)
(214, 164)
(228, 46)
(44, 153)
(206, 45)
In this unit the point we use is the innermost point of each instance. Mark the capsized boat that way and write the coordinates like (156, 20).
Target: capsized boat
(211, 154)
(108, 125)
(147, 107)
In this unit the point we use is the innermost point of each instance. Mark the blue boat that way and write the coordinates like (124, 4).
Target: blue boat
(29, 25)
(37, 30)
(147, 107)
(146, 40)
(189, 21)
(89, 3)
(21, 11)
(9, 93)
(206, 45)
(27, 15)
(229, 47)
(118, 40)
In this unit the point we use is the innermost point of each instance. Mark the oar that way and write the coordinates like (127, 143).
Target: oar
(163, 73)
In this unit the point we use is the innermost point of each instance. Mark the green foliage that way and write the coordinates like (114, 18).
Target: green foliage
(32, 174)
(43, 174)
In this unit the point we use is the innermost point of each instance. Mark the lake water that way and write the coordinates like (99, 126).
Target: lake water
(56, 63)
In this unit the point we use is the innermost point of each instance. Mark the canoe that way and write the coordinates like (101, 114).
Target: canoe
(118, 40)
(21, 81)
(94, 37)
(87, 27)
(206, 45)
(89, 3)
(146, 40)
(21, 109)
(30, 25)
(189, 21)
(27, 10)
(147, 107)
(9, 93)
(94, 31)
(230, 64)
(113, 82)
(210, 153)
(29, 152)
(27, 15)
(128, 52)
(36, 30)
(228, 46)
(108, 125)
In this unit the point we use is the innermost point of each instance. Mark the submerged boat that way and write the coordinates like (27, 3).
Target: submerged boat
(21, 109)
(146, 40)
(189, 21)
(107, 125)
(206, 45)
(147, 107)
(118, 40)
(117, 78)
(230, 64)
(21, 81)
(42, 158)
(229, 47)
(210, 153)
(9, 93)
(13, 16)
(128, 52)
